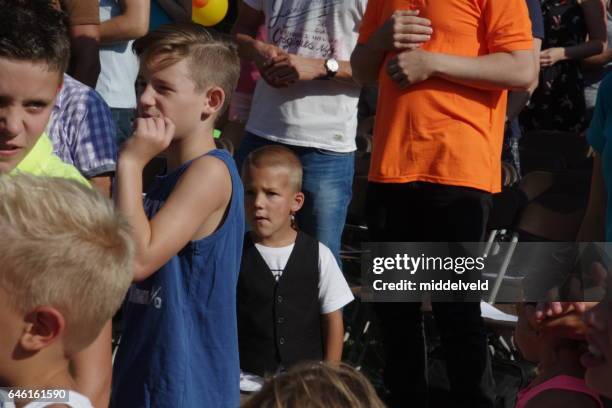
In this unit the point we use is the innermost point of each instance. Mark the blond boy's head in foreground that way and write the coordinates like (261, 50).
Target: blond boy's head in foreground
(187, 74)
(272, 177)
(65, 266)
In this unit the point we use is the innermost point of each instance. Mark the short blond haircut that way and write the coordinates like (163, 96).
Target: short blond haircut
(317, 385)
(276, 156)
(212, 58)
(63, 245)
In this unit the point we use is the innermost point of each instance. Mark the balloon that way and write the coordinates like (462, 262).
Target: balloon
(212, 13)
(199, 3)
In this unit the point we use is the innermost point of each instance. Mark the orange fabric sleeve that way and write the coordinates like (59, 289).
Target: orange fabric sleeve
(371, 20)
(509, 26)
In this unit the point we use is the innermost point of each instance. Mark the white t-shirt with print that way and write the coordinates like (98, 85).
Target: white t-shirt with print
(334, 292)
(74, 400)
(318, 113)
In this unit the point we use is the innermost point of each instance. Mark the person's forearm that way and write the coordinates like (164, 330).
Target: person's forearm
(124, 28)
(517, 100)
(86, 68)
(366, 62)
(597, 62)
(315, 70)
(495, 71)
(247, 44)
(345, 73)
(585, 50)
(333, 334)
(129, 202)
(92, 368)
(85, 53)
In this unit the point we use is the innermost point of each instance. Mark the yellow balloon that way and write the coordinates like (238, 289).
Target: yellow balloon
(210, 14)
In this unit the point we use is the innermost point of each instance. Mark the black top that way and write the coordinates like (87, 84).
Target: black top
(279, 323)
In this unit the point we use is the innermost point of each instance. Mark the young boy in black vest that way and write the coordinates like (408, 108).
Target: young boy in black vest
(290, 289)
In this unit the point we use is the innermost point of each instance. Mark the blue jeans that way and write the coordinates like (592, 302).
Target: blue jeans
(327, 185)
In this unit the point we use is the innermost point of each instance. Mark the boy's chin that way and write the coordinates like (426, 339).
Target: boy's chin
(6, 166)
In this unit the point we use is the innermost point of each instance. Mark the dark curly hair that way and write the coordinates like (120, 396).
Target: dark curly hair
(35, 31)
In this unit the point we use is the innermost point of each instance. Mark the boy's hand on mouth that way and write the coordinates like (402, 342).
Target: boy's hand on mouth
(152, 135)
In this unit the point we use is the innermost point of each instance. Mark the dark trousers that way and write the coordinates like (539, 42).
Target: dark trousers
(426, 212)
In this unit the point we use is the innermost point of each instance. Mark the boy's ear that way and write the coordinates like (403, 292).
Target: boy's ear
(215, 98)
(43, 325)
(298, 201)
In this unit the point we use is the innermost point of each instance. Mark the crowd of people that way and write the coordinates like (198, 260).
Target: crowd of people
(226, 266)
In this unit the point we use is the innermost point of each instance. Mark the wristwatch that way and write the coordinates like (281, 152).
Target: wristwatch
(331, 66)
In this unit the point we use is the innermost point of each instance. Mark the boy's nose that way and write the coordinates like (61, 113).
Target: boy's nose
(11, 124)
(146, 96)
(259, 201)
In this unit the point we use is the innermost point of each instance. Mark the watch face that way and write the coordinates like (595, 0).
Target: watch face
(332, 65)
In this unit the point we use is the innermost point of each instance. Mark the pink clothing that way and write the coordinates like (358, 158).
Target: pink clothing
(560, 382)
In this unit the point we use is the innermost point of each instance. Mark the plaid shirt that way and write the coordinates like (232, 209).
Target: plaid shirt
(82, 129)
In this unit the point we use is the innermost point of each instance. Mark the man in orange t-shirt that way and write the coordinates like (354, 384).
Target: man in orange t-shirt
(436, 159)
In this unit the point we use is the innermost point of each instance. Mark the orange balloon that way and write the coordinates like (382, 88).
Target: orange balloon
(199, 3)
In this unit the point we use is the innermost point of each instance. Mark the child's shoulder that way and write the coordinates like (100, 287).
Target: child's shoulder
(216, 162)
(209, 172)
(200, 189)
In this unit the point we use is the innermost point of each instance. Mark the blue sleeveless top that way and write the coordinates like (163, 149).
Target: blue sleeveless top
(180, 343)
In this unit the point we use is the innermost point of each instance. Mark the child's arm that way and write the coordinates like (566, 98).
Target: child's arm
(333, 335)
(203, 190)
(334, 294)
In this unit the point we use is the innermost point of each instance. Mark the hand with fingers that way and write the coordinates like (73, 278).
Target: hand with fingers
(287, 69)
(151, 136)
(264, 58)
(547, 310)
(569, 325)
(404, 30)
(551, 56)
(597, 275)
(410, 67)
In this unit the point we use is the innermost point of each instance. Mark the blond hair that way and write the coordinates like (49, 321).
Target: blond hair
(212, 58)
(277, 156)
(62, 244)
(317, 385)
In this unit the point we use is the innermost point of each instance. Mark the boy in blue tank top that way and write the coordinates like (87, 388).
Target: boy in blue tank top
(180, 344)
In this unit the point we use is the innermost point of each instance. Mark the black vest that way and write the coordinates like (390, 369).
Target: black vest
(279, 323)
